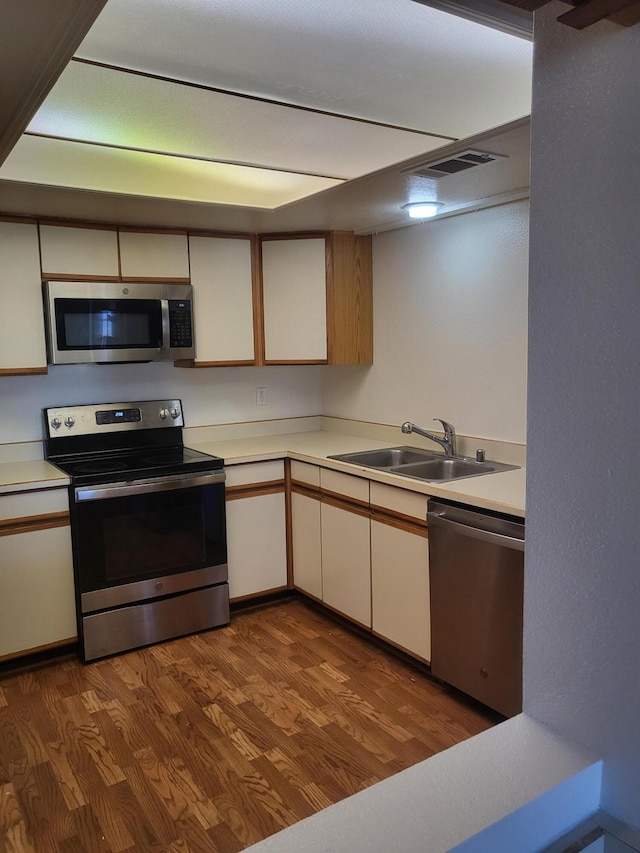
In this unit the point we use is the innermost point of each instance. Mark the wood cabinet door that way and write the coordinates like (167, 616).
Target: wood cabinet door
(346, 562)
(147, 255)
(400, 587)
(221, 276)
(307, 544)
(72, 252)
(295, 300)
(22, 339)
(37, 604)
(256, 544)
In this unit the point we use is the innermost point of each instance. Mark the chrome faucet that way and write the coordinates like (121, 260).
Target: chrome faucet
(448, 443)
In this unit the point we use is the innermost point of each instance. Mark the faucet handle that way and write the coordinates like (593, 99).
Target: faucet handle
(449, 429)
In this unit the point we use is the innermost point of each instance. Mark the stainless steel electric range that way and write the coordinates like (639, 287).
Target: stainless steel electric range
(147, 523)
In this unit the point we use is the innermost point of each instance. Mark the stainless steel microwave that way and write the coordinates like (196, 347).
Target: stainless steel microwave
(96, 321)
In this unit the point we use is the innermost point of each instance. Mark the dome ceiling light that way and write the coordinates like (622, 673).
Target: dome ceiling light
(422, 209)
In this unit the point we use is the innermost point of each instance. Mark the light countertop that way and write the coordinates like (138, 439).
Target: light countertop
(29, 476)
(503, 492)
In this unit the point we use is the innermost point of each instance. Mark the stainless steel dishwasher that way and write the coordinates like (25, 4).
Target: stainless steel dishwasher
(476, 571)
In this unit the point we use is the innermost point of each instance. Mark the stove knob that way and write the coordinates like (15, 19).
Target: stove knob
(164, 413)
(69, 421)
(175, 413)
(56, 423)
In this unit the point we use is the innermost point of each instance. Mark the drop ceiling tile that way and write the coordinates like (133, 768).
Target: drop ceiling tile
(116, 108)
(393, 61)
(62, 163)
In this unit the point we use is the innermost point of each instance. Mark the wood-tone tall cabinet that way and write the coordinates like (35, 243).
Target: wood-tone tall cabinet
(317, 298)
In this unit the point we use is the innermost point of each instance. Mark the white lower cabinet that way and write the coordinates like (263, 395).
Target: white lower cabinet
(400, 587)
(307, 544)
(37, 603)
(256, 529)
(362, 549)
(346, 562)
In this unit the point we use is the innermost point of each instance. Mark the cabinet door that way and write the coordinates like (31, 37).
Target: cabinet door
(146, 255)
(400, 587)
(256, 544)
(37, 605)
(22, 341)
(307, 545)
(223, 300)
(295, 300)
(79, 252)
(346, 562)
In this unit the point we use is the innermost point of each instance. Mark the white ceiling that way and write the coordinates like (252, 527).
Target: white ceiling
(336, 91)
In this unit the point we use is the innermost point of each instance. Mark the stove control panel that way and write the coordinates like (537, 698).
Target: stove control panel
(112, 417)
(118, 416)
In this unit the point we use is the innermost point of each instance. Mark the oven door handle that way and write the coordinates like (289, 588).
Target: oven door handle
(143, 487)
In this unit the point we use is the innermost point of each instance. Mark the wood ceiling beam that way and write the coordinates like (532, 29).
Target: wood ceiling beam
(591, 11)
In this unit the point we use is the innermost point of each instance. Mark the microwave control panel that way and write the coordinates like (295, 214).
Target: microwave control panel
(180, 324)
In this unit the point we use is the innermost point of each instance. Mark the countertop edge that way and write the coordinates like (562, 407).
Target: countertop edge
(503, 492)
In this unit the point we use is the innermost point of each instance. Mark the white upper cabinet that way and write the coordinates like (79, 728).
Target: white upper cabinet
(22, 341)
(79, 252)
(295, 299)
(147, 255)
(223, 300)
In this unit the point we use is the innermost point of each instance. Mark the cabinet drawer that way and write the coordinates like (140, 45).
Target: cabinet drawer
(30, 504)
(255, 472)
(302, 472)
(344, 484)
(401, 502)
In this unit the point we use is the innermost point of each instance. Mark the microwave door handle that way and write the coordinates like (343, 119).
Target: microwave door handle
(143, 487)
(166, 324)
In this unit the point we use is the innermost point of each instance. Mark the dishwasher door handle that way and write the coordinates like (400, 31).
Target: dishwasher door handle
(436, 520)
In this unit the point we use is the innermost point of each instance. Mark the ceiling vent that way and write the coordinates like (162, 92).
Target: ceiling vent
(468, 159)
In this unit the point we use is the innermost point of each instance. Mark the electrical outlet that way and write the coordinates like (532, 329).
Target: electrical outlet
(261, 396)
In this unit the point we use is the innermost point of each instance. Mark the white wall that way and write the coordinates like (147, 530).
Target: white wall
(450, 328)
(209, 395)
(582, 580)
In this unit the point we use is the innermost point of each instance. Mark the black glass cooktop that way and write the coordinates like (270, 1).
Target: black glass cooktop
(110, 467)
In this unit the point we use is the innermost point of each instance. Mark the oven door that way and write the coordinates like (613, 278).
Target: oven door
(148, 538)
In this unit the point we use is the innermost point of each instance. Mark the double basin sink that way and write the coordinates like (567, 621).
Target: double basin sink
(422, 464)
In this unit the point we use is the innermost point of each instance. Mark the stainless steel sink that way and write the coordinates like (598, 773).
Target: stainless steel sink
(446, 468)
(422, 464)
(388, 457)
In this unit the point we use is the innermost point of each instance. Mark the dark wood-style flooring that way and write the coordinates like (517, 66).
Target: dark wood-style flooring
(215, 741)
